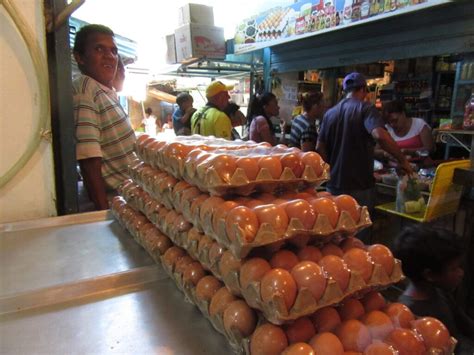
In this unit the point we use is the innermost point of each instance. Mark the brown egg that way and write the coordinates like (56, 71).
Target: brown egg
(182, 224)
(249, 166)
(313, 160)
(247, 221)
(182, 263)
(352, 242)
(327, 207)
(406, 342)
(171, 218)
(326, 319)
(215, 253)
(194, 236)
(268, 339)
(351, 309)
(400, 315)
(310, 253)
(373, 301)
(308, 274)
(220, 214)
(349, 204)
(379, 348)
(382, 255)
(301, 210)
(163, 243)
(332, 249)
(273, 215)
(252, 271)
(196, 205)
(359, 260)
(272, 164)
(171, 256)
(299, 349)
(193, 273)
(228, 263)
(224, 165)
(434, 333)
(353, 335)
(378, 323)
(239, 318)
(337, 269)
(278, 282)
(209, 205)
(301, 330)
(219, 302)
(293, 162)
(204, 245)
(326, 344)
(190, 194)
(284, 259)
(207, 287)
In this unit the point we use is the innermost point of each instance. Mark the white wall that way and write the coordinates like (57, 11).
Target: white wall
(31, 194)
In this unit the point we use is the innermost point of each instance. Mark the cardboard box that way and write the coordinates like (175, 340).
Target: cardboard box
(170, 55)
(195, 13)
(197, 41)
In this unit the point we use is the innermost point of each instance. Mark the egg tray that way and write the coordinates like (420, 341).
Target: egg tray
(305, 304)
(172, 158)
(182, 201)
(239, 344)
(170, 155)
(208, 178)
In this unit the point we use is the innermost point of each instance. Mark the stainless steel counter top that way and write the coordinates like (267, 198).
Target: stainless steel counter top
(81, 285)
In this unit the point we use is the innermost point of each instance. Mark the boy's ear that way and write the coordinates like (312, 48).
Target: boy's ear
(78, 58)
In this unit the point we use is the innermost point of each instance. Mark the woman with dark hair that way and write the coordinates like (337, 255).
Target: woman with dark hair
(262, 108)
(411, 134)
(303, 128)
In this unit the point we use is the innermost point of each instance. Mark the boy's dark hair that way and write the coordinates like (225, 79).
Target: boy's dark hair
(423, 247)
(395, 106)
(83, 34)
(231, 108)
(149, 110)
(309, 99)
(182, 98)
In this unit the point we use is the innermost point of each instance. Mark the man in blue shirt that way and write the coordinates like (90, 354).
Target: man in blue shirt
(346, 141)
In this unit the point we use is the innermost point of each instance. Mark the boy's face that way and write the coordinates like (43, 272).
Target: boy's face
(187, 104)
(451, 277)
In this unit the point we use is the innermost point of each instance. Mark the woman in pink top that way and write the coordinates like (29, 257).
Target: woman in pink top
(411, 134)
(264, 107)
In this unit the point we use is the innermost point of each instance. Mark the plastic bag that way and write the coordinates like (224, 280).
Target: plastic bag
(409, 198)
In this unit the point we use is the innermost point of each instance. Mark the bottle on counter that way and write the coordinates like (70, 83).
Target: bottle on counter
(468, 122)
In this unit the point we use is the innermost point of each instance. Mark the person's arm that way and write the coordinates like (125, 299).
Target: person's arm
(91, 170)
(426, 139)
(386, 142)
(187, 115)
(321, 150)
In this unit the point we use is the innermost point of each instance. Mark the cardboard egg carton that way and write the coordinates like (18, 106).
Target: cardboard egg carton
(182, 201)
(239, 344)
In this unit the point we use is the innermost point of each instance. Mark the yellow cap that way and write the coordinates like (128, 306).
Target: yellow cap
(217, 87)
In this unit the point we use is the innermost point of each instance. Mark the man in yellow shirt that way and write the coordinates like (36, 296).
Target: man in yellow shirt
(210, 120)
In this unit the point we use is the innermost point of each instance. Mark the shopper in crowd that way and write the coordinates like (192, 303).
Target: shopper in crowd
(411, 134)
(303, 127)
(182, 115)
(346, 141)
(237, 118)
(149, 122)
(432, 259)
(104, 137)
(262, 108)
(210, 120)
(119, 76)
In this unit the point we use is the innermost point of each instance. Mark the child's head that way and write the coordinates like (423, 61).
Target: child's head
(184, 100)
(431, 255)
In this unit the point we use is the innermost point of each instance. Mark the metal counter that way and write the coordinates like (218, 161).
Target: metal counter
(81, 285)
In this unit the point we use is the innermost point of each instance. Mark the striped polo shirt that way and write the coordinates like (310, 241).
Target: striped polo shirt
(302, 130)
(102, 129)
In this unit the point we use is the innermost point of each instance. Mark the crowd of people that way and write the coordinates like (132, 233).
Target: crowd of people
(350, 134)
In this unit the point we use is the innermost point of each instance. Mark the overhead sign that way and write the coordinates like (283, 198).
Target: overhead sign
(312, 17)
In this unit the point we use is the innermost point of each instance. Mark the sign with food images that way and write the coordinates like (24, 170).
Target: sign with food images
(310, 17)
